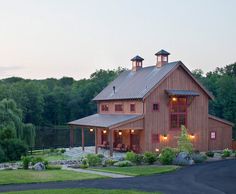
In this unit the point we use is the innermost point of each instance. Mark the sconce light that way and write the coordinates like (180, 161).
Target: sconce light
(91, 130)
(157, 150)
(120, 132)
(192, 136)
(174, 99)
(165, 137)
(132, 131)
(104, 131)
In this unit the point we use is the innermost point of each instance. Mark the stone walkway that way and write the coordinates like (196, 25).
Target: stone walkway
(107, 174)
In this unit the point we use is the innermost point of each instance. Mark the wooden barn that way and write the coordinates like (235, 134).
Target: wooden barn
(143, 110)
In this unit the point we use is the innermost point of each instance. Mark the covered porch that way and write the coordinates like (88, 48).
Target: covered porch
(120, 133)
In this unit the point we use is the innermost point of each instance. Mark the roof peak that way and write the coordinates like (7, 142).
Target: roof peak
(137, 58)
(162, 52)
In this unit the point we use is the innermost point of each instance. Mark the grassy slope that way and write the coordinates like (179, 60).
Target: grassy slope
(138, 170)
(80, 191)
(30, 176)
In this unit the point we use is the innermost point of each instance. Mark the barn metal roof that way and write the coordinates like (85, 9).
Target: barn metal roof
(105, 120)
(182, 93)
(135, 85)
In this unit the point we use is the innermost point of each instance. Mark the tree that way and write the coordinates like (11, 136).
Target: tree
(184, 143)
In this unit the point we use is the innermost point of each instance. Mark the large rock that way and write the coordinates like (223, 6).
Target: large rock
(184, 159)
(39, 166)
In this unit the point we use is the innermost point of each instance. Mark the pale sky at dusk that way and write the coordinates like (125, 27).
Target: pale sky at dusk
(56, 38)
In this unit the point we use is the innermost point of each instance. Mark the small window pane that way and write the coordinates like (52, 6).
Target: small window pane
(105, 107)
(213, 135)
(132, 108)
(182, 120)
(118, 107)
(155, 107)
(174, 121)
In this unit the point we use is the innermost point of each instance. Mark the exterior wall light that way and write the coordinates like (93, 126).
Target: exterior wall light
(174, 99)
(165, 137)
(91, 130)
(132, 131)
(157, 150)
(104, 131)
(120, 132)
(192, 136)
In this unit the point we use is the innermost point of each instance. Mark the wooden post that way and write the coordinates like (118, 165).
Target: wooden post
(71, 136)
(111, 141)
(82, 137)
(96, 141)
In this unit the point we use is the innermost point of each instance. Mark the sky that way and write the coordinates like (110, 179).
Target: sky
(55, 38)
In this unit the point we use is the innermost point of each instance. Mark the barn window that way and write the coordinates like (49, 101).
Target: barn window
(178, 112)
(213, 135)
(105, 107)
(155, 138)
(119, 107)
(132, 107)
(155, 106)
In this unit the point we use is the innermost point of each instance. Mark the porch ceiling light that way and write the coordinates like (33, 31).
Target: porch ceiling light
(91, 130)
(174, 99)
(104, 131)
(120, 132)
(132, 131)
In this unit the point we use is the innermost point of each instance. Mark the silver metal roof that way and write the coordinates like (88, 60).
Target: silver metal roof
(182, 93)
(105, 120)
(135, 85)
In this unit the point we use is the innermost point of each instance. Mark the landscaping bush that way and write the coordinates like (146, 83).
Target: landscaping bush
(167, 155)
(226, 153)
(134, 158)
(210, 154)
(63, 151)
(123, 163)
(198, 158)
(26, 161)
(130, 156)
(150, 157)
(36, 160)
(184, 143)
(94, 160)
(85, 163)
(100, 156)
(110, 162)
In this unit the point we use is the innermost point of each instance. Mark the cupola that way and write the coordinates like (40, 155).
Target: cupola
(137, 63)
(162, 58)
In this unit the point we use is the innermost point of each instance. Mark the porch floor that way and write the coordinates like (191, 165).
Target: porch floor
(76, 152)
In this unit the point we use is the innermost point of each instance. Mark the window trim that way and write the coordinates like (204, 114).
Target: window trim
(178, 113)
(121, 105)
(104, 104)
(211, 133)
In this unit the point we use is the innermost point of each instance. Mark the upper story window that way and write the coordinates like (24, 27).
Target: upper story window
(178, 112)
(132, 107)
(118, 107)
(155, 107)
(104, 107)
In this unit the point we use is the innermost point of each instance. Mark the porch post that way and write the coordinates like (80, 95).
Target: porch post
(71, 136)
(82, 131)
(96, 141)
(111, 141)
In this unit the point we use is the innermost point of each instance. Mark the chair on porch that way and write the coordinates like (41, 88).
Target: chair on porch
(121, 148)
(105, 145)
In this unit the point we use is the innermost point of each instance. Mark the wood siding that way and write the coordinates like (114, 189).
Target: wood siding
(223, 135)
(126, 107)
(159, 122)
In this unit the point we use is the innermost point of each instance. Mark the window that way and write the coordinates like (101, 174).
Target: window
(105, 107)
(132, 107)
(164, 58)
(178, 112)
(119, 107)
(155, 138)
(155, 107)
(213, 135)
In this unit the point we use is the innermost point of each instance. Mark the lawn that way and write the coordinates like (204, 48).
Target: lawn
(138, 170)
(81, 191)
(30, 176)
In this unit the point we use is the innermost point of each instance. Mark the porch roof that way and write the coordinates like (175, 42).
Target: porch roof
(106, 120)
(182, 93)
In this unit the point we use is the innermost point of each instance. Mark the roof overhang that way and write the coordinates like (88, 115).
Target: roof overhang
(220, 120)
(106, 120)
(182, 93)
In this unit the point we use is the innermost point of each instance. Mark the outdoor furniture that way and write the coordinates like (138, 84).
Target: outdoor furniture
(118, 147)
(105, 145)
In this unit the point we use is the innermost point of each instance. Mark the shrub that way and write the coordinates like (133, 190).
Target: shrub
(130, 156)
(198, 158)
(184, 143)
(210, 154)
(226, 153)
(110, 162)
(13, 149)
(150, 157)
(52, 150)
(167, 156)
(36, 160)
(100, 156)
(94, 160)
(2, 155)
(26, 161)
(63, 151)
(53, 167)
(123, 163)
(85, 163)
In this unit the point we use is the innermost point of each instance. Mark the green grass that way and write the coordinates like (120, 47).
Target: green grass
(138, 170)
(30, 176)
(81, 191)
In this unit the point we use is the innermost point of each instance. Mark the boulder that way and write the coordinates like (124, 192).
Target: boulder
(183, 159)
(39, 166)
